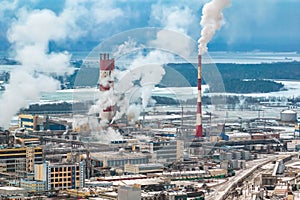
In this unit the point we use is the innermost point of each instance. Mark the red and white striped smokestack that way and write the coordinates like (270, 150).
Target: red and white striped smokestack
(199, 110)
(107, 67)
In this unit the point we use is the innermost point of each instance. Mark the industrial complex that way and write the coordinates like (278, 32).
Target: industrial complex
(118, 100)
(188, 152)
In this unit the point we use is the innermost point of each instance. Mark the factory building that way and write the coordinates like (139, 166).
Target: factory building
(32, 185)
(168, 151)
(108, 159)
(143, 168)
(30, 122)
(235, 136)
(7, 139)
(37, 123)
(61, 176)
(26, 140)
(20, 160)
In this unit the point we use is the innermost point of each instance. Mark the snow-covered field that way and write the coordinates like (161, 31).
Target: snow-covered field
(179, 93)
(183, 93)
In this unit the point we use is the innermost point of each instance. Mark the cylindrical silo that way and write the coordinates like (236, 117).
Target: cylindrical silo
(288, 116)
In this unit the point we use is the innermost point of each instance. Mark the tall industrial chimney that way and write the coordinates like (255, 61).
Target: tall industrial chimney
(107, 67)
(199, 110)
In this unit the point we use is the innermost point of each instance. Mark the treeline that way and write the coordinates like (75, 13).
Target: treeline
(62, 107)
(237, 78)
(251, 86)
(278, 70)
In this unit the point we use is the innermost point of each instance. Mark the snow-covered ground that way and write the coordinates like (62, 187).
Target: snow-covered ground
(178, 93)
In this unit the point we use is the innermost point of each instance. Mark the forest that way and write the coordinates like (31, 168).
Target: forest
(241, 78)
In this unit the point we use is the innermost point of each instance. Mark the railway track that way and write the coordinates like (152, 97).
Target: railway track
(226, 190)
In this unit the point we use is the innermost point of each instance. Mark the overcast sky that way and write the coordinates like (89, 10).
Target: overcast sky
(265, 25)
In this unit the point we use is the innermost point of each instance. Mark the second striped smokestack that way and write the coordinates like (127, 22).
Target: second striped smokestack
(199, 110)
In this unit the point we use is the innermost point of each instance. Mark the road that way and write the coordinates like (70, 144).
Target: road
(222, 191)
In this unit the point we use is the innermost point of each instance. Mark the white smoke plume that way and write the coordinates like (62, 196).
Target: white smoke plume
(128, 46)
(135, 82)
(23, 88)
(139, 80)
(211, 21)
(30, 34)
(133, 112)
(108, 135)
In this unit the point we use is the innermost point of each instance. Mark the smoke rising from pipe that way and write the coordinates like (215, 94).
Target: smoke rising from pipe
(133, 85)
(147, 70)
(211, 21)
(138, 81)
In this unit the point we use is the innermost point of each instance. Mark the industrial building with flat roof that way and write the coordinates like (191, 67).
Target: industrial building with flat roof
(119, 159)
(61, 176)
(20, 160)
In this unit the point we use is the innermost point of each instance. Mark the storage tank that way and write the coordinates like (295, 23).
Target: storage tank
(288, 116)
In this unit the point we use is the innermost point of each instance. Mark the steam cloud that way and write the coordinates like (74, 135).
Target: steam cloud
(138, 81)
(30, 35)
(212, 20)
(133, 83)
(146, 71)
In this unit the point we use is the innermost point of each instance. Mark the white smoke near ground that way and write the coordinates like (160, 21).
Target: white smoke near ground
(108, 135)
(30, 36)
(211, 21)
(104, 100)
(139, 80)
(23, 88)
(133, 112)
